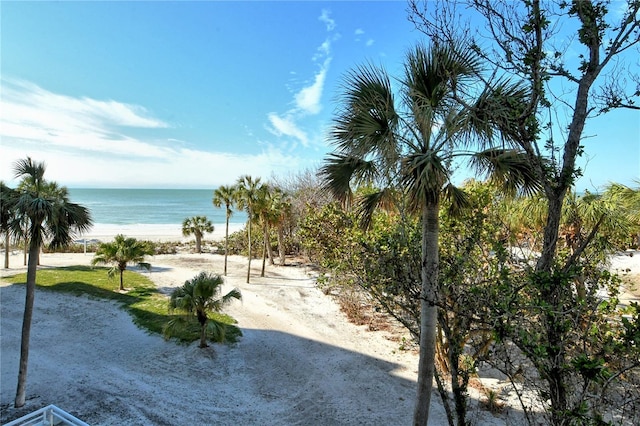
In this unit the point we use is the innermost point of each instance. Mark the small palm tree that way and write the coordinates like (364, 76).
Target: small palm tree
(120, 252)
(198, 296)
(49, 215)
(198, 226)
(225, 195)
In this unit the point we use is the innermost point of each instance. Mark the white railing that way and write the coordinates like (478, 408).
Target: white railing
(47, 416)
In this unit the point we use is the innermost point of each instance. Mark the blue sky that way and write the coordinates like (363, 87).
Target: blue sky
(195, 94)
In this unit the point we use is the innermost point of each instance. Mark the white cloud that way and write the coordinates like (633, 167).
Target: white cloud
(286, 126)
(308, 99)
(359, 31)
(329, 22)
(186, 168)
(369, 42)
(31, 114)
(89, 143)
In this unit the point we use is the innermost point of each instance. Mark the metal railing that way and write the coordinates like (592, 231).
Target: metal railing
(47, 416)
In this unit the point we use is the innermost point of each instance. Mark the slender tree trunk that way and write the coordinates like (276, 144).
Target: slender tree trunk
(249, 237)
(267, 245)
(7, 241)
(226, 244)
(264, 257)
(552, 295)
(203, 336)
(428, 313)
(198, 242)
(34, 249)
(281, 251)
(121, 279)
(202, 319)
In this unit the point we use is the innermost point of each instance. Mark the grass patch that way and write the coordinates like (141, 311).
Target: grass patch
(147, 306)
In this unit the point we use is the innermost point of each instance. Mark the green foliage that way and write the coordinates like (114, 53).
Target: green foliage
(147, 306)
(198, 298)
(120, 252)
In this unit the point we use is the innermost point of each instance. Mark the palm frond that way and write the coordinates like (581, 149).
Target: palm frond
(340, 171)
(423, 176)
(367, 122)
(509, 169)
(367, 205)
(500, 111)
(457, 198)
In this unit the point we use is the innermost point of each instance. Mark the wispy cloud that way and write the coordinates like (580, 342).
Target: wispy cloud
(328, 21)
(33, 114)
(286, 126)
(89, 142)
(307, 100)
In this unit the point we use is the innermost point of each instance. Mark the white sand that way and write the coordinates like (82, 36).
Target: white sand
(159, 232)
(300, 362)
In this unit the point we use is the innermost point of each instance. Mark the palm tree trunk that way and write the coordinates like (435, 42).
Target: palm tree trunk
(34, 249)
(249, 237)
(121, 279)
(226, 245)
(265, 247)
(203, 336)
(281, 251)
(428, 313)
(7, 241)
(264, 258)
(198, 243)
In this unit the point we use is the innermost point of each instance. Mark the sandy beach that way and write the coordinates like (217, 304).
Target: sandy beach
(299, 362)
(158, 232)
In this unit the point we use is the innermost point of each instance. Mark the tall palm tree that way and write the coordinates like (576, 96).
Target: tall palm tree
(198, 226)
(247, 191)
(50, 217)
(120, 252)
(225, 195)
(413, 149)
(264, 213)
(8, 199)
(200, 295)
(281, 206)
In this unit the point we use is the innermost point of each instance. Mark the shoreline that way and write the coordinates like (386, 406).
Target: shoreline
(105, 232)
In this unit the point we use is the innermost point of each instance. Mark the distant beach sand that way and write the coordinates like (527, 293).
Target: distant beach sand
(153, 232)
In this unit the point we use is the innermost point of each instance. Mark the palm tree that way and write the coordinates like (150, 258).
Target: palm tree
(629, 198)
(247, 191)
(264, 213)
(120, 252)
(281, 206)
(200, 295)
(225, 195)
(198, 226)
(412, 150)
(8, 199)
(50, 216)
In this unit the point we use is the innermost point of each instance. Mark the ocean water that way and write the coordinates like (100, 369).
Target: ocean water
(150, 206)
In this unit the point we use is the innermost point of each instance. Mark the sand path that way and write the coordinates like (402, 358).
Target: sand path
(300, 362)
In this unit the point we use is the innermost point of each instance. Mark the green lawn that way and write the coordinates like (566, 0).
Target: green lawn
(147, 306)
